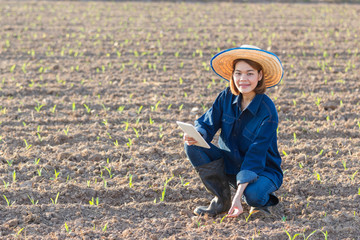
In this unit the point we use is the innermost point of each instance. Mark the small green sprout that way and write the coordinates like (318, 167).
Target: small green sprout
(136, 132)
(164, 190)
(121, 108)
(291, 237)
(222, 219)
(12, 68)
(150, 120)
(317, 176)
(56, 199)
(94, 202)
(130, 180)
(27, 146)
(129, 143)
(88, 109)
(18, 233)
(105, 227)
(248, 217)
(126, 125)
(14, 176)
(139, 110)
(6, 184)
(109, 171)
(67, 228)
(9, 162)
(352, 177)
(33, 202)
(8, 202)
(38, 107)
(182, 182)
(66, 131)
(344, 164)
(39, 136)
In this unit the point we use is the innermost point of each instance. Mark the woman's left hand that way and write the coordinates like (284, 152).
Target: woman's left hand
(236, 207)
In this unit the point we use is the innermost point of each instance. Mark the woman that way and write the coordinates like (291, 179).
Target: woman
(247, 157)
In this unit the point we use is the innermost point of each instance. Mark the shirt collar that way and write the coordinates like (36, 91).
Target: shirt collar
(253, 106)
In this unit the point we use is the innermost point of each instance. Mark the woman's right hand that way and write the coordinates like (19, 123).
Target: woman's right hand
(189, 140)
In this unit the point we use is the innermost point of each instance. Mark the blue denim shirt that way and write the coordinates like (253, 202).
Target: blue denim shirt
(248, 138)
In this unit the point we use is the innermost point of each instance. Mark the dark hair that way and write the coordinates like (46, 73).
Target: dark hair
(260, 88)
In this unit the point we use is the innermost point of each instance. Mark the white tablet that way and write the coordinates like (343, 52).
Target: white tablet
(192, 132)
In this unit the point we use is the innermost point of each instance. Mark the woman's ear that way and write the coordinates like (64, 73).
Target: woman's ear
(260, 75)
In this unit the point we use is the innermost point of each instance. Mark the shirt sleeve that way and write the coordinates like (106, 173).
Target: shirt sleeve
(255, 158)
(209, 123)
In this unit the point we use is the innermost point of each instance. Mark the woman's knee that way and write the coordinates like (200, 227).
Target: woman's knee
(255, 198)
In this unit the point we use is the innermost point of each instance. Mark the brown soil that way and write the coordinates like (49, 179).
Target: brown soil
(91, 91)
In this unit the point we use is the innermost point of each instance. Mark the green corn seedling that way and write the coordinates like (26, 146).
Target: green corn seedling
(14, 176)
(33, 202)
(248, 217)
(164, 190)
(121, 108)
(38, 107)
(105, 227)
(27, 146)
(317, 176)
(6, 184)
(109, 171)
(344, 164)
(291, 237)
(67, 228)
(136, 132)
(130, 180)
(56, 174)
(150, 120)
(129, 143)
(66, 131)
(8, 202)
(139, 110)
(182, 181)
(126, 125)
(88, 109)
(56, 199)
(352, 177)
(39, 136)
(9, 162)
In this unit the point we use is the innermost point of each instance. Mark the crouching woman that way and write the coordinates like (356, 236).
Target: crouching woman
(247, 156)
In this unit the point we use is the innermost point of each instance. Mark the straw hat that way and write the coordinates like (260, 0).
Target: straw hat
(222, 63)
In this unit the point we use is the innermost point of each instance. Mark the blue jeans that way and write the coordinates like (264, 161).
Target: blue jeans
(256, 194)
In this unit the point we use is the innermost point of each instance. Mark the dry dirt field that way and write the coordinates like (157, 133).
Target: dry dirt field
(90, 92)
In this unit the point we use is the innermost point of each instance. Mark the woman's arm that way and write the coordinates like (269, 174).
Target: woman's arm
(236, 207)
(210, 122)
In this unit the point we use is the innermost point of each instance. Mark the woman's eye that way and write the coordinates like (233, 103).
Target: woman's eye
(249, 74)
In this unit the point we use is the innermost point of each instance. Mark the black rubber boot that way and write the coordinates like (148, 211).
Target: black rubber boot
(214, 178)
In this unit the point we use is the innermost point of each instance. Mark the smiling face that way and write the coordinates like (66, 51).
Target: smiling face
(246, 78)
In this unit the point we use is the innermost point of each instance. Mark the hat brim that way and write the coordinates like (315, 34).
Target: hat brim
(222, 63)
